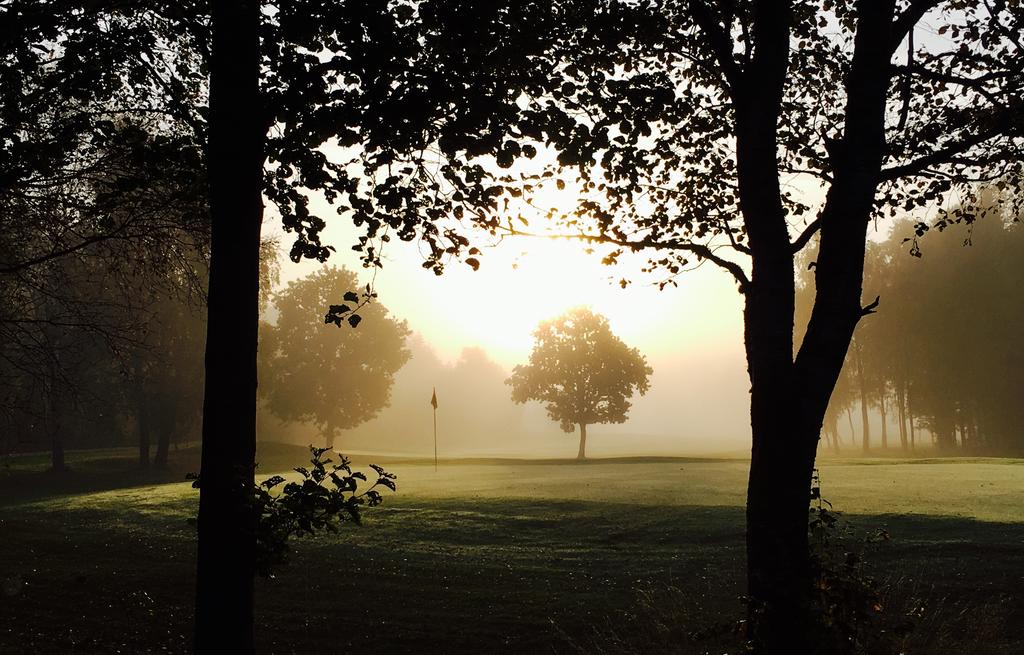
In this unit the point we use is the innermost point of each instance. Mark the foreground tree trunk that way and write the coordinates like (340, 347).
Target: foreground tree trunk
(582, 454)
(224, 581)
(789, 397)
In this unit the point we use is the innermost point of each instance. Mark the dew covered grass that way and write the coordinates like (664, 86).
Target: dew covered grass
(483, 556)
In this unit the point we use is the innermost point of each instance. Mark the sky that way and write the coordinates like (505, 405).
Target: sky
(690, 334)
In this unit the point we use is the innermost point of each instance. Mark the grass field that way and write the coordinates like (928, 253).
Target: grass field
(494, 556)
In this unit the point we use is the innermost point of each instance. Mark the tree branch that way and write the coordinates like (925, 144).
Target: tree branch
(718, 39)
(812, 228)
(908, 19)
(700, 250)
(941, 155)
(8, 268)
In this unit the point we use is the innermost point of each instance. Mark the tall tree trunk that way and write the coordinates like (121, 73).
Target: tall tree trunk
(885, 417)
(142, 419)
(789, 398)
(57, 463)
(582, 454)
(163, 444)
(783, 441)
(865, 422)
(901, 406)
(910, 419)
(227, 524)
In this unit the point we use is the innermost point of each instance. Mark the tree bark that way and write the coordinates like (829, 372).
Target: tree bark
(782, 449)
(227, 524)
(789, 398)
(582, 454)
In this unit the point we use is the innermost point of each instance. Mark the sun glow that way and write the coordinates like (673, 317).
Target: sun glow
(523, 280)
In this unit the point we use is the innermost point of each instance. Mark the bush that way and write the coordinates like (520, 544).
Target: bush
(326, 496)
(849, 605)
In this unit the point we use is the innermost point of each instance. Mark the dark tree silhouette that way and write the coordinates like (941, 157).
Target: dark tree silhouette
(221, 79)
(685, 146)
(84, 251)
(681, 120)
(314, 371)
(583, 373)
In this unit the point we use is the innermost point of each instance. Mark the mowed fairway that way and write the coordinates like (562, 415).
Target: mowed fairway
(498, 556)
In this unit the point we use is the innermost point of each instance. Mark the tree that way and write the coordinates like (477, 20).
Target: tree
(582, 372)
(680, 120)
(685, 145)
(84, 250)
(318, 73)
(314, 371)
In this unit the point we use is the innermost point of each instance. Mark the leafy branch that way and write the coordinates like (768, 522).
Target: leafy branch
(325, 497)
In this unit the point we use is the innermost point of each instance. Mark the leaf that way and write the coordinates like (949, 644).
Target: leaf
(474, 262)
(272, 482)
(351, 296)
(354, 320)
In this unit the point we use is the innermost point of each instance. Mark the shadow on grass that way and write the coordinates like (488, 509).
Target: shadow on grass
(457, 575)
(27, 478)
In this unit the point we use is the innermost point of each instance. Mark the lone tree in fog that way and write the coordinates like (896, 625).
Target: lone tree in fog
(312, 371)
(582, 372)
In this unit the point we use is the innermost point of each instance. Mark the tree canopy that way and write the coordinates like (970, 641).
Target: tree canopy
(682, 128)
(313, 371)
(582, 372)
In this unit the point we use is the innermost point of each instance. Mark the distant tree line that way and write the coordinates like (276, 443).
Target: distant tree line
(102, 284)
(940, 364)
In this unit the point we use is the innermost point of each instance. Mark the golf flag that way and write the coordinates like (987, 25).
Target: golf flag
(433, 402)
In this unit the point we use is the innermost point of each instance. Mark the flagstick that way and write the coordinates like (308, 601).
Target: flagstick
(433, 403)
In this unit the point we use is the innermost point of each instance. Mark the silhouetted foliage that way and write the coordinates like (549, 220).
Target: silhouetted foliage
(675, 124)
(689, 145)
(93, 250)
(325, 497)
(582, 373)
(849, 608)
